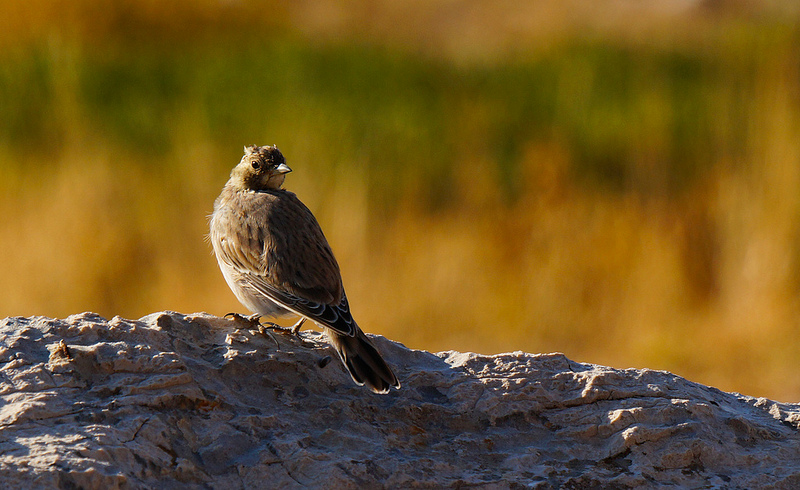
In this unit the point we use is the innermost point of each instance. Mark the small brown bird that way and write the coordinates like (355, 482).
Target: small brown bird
(277, 262)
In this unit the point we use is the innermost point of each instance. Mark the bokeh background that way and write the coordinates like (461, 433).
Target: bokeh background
(615, 180)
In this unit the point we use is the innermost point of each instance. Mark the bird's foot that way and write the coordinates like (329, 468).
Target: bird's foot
(253, 321)
(293, 330)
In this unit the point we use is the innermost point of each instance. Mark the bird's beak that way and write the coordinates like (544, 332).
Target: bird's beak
(283, 169)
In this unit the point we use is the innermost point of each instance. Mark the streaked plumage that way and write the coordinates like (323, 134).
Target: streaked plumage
(277, 261)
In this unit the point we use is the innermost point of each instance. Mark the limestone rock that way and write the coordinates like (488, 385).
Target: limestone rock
(177, 401)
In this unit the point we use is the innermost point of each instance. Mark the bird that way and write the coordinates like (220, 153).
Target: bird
(278, 263)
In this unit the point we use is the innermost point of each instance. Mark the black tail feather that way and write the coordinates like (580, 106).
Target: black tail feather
(363, 361)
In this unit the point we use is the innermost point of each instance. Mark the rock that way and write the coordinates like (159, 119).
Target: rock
(177, 401)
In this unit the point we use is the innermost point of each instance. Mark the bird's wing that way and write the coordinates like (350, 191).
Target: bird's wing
(286, 258)
(296, 256)
(336, 317)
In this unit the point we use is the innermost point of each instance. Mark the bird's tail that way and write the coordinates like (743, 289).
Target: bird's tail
(363, 361)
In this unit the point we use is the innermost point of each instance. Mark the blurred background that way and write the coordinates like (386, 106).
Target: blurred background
(615, 180)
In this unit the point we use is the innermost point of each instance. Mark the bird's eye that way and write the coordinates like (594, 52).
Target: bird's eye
(255, 164)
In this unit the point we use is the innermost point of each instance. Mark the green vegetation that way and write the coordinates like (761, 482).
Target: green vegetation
(614, 108)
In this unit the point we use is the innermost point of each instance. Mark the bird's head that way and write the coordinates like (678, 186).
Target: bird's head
(261, 168)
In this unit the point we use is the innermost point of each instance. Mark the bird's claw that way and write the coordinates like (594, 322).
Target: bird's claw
(293, 330)
(252, 321)
(277, 328)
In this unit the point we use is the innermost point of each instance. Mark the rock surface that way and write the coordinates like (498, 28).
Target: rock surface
(177, 401)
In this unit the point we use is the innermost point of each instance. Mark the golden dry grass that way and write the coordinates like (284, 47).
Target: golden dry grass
(619, 184)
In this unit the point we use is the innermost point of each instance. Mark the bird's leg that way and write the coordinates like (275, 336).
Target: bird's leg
(294, 329)
(296, 326)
